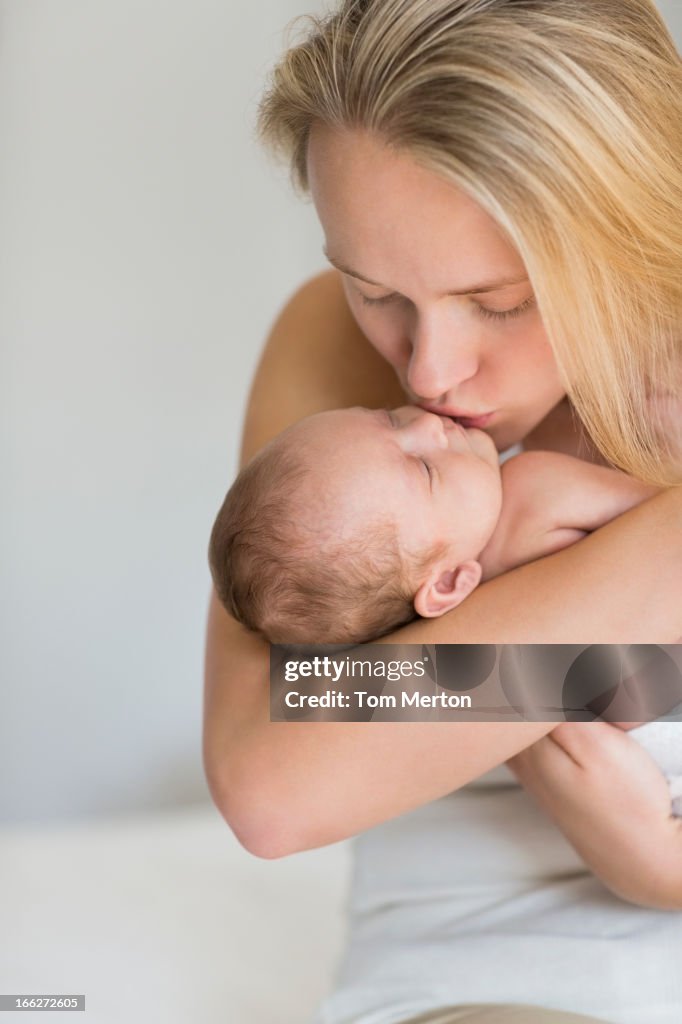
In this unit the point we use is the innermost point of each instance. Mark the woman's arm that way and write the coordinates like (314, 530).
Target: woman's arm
(612, 802)
(315, 359)
(287, 786)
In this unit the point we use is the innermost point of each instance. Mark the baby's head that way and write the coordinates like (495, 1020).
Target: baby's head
(351, 521)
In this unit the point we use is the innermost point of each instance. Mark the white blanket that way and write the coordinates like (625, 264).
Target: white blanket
(163, 916)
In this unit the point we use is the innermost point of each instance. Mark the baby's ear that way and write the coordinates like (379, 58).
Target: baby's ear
(444, 589)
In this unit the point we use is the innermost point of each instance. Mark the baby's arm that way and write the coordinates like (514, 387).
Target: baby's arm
(552, 500)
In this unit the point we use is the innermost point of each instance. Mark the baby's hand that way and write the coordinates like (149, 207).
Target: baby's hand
(612, 802)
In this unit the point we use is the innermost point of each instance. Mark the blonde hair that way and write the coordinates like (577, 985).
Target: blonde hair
(563, 120)
(292, 580)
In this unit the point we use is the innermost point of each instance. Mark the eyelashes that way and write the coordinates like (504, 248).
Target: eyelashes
(384, 301)
(487, 314)
(507, 314)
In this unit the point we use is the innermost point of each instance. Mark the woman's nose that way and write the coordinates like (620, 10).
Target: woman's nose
(441, 360)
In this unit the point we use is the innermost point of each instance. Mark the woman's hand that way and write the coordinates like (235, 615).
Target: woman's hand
(612, 802)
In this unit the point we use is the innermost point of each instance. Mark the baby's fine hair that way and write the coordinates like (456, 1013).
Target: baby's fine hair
(281, 571)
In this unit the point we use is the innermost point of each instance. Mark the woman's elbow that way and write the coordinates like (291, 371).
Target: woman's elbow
(264, 835)
(263, 828)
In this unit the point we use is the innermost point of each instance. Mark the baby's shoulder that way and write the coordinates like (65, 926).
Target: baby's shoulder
(532, 463)
(526, 465)
(541, 477)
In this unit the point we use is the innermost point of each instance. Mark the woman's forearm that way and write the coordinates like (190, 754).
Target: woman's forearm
(287, 786)
(612, 803)
(621, 584)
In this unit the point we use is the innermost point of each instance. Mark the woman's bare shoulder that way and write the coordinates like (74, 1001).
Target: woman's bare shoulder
(315, 358)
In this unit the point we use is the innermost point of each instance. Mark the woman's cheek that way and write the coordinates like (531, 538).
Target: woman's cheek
(528, 344)
(542, 383)
(537, 340)
(384, 331)
(391, 344)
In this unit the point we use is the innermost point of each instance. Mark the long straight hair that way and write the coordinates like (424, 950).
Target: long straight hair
(563, 120)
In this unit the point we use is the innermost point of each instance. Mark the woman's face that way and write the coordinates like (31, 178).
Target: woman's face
(434, 285)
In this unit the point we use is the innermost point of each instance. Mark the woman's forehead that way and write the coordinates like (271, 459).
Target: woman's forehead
(388, 218)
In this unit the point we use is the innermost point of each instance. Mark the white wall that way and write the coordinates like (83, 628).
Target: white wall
(145, 246)
(672, 12)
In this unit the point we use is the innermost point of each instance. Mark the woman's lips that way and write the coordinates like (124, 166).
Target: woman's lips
(477, 422)
(465, 420)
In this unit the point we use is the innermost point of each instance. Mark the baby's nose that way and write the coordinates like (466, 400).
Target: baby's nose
(429, 427)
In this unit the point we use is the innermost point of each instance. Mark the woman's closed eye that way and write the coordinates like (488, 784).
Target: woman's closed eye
(484, 311)
(383, 301)
(504, 314)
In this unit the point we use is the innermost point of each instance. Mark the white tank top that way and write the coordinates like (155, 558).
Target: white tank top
(477, 898)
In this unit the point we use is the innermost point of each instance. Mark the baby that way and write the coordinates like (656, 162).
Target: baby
(351, 522)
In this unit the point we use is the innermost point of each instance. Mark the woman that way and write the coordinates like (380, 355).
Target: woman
(499, 185)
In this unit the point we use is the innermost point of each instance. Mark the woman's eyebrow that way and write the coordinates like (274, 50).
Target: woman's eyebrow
(474, 289)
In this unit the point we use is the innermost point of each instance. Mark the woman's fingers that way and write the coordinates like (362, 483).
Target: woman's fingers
(591, 765)
(583, 741)
(544, 763)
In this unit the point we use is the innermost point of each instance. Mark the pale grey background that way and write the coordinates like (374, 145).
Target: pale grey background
(145, 245)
